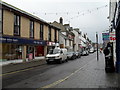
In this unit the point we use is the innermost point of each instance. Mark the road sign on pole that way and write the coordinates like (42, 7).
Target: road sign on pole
(105, 37)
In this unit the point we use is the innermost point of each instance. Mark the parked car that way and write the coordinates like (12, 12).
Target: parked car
(58, 55)
(85, 52)
(91, 50)
(71, 55)
(78, 54)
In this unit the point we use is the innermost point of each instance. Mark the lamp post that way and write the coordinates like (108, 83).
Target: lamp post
(97, 46)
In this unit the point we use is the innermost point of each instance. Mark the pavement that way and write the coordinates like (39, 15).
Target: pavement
(22, 65)
(93, 75)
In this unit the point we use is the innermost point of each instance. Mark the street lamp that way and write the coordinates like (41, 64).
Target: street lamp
(97, 45)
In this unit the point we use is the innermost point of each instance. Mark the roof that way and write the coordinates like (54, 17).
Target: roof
(59, 25)
(62, 27)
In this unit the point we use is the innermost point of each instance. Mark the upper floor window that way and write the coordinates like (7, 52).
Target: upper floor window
(31, 29)
(55, 35)
(41, 31)
(49, 33)
(0, 20)
(16, 25)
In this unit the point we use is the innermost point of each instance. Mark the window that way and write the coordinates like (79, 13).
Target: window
(31, 29)
(11, 51)
(16, 25)
(0, 20)
(41, 31)
(55, 35)
(49, 34)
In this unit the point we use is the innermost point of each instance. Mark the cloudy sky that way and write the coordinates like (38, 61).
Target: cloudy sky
(88, 15)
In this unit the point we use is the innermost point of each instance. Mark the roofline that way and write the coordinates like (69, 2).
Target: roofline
(54, 26)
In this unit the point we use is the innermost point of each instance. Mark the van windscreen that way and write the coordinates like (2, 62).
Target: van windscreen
(54, 51)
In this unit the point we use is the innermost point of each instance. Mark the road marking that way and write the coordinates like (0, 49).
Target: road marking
(15, 72)
(61, 80)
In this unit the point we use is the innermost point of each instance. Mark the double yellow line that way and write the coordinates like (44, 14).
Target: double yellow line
(15, 72)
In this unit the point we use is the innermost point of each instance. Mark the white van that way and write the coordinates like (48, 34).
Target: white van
(57, 55)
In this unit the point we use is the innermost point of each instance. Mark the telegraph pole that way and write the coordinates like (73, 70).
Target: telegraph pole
(97, 46)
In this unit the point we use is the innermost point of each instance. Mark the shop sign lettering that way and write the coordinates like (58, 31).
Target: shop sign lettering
(10, 39)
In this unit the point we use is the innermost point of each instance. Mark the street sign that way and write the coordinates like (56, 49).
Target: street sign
(105, 36)
(112, 36)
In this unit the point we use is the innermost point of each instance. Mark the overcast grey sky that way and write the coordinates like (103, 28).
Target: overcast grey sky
(89, 23)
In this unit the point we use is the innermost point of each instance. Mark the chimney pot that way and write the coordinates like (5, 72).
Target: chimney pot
(61, 20)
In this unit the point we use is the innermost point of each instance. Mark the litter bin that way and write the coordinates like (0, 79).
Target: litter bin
(109, 61)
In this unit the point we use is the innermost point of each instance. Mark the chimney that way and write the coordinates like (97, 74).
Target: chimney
(61, 20)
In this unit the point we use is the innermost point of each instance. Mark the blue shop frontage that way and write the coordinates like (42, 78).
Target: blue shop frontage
(14, 48)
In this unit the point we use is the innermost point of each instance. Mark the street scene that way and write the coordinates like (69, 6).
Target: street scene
(59, 44)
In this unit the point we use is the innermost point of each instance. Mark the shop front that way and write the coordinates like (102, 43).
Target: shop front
(14, 48)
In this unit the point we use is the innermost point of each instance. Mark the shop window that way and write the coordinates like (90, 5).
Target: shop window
(12, 52)
(0, 20)
(49, 34)
(16, 25)
(41, 31)
(39, 51)
(31, 29)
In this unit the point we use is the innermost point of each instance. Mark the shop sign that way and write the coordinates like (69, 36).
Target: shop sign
(112, 37)
(105, 36)
(17, 40)
(51, 43)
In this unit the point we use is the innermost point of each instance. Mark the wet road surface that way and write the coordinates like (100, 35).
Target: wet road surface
(85, 72)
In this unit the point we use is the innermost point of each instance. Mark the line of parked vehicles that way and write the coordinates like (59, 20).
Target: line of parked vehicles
(60, 55)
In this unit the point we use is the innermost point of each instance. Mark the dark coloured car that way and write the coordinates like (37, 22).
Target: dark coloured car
(78, 54)
(71, 55)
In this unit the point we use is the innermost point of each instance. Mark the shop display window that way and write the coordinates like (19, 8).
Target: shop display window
(39, 51)
(12, 52)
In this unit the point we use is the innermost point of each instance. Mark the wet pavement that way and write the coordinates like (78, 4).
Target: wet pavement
(92, 76)
(85, 72)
